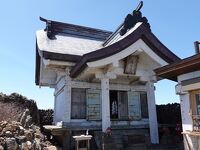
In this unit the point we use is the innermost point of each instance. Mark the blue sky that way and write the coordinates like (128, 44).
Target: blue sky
(175, 23)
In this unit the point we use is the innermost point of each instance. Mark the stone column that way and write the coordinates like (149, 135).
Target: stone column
(54, 112)
(187, 123)
(153, 124)
(105, 97)
(67, 91)
(186, 112)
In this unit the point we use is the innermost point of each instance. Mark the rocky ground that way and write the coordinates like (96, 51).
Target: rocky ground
(14, 136)
(20, 125)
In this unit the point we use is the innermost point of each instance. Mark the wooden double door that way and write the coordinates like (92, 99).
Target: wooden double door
(118, 105)
(124, 105)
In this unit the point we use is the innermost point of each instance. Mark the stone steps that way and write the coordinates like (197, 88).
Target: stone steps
(137, 147)
(112, 142)
(121, 140)
(156, 147)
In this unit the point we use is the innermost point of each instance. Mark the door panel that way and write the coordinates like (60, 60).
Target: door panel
(123, 105)
(93, 104)
(78, 104)
(134, 107)
(144, 105)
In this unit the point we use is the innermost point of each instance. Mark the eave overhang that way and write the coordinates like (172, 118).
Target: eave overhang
(184, 66)
(60, 57)
(51, 56)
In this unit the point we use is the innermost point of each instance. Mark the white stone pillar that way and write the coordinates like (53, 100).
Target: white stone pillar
(105, 97)
(185, 112)
(54, 112)
(67, 91)
(153, 124)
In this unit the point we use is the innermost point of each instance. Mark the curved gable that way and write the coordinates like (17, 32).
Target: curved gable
(142, 32)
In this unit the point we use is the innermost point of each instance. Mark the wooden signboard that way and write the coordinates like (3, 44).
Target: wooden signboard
(131, 64)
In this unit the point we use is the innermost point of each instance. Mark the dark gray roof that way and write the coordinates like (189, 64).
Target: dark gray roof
(67, 42)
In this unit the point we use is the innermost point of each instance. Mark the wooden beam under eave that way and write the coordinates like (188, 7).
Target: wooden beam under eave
(134, 81)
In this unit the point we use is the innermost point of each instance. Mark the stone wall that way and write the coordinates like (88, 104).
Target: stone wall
(46, 116)
(13, 106)
(169, 113)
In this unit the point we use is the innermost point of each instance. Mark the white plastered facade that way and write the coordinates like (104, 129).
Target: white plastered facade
(56, 74)
(190, 141)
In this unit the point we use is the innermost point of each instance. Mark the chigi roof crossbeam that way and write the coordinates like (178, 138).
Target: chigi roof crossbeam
(54, 27)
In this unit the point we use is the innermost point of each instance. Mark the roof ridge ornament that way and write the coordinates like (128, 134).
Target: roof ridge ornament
(131, 19)
(49, 29)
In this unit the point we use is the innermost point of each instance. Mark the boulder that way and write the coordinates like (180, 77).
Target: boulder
(1, 147)
(3, 124)
(35, 128)
(16, 123)
(8, 134)
(2, 142)
(45, 144)
(28, 121)
(20, 139)
(24, 116)
(8, 127)
(37, 135)
(28, 135)
(50, 148)
(14, 127)
(37, 144)
(21, 130)
(29, 144)
(24, 146)
(11, 144)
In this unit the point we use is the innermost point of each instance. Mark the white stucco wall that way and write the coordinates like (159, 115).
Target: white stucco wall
(185, 98)
(185, 110)
(190, 141)
(59, 103)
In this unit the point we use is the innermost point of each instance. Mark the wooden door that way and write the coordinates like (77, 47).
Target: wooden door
(78, 103)
(93, 104)
(134, 107)
(144, 105)
(123, 105)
